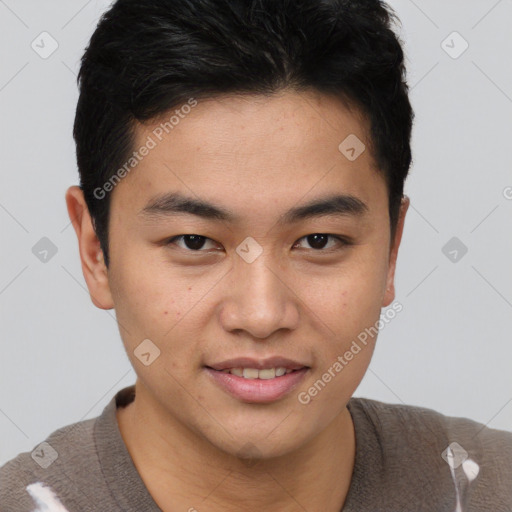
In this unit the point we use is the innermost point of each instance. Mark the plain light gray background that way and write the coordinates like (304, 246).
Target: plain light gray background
(450, 348)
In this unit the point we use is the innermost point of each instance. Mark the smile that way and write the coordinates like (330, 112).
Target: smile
(254, 373)
(253, 385)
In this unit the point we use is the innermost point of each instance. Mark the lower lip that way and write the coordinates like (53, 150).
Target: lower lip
(257, 390)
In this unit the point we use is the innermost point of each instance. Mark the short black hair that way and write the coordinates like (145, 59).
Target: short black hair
(146, 57)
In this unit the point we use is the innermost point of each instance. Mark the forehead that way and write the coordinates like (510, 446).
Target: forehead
(268, 150)
(257, 124)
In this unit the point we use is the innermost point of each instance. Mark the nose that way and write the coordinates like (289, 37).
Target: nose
(259, 299)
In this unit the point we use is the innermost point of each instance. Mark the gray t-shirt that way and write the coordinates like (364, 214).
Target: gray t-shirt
(402, 464)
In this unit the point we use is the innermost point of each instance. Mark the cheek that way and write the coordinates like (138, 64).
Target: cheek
(351, 310)
(352, 315)
(156, 302)
(355, 296)
(143, 301)
(149, 306)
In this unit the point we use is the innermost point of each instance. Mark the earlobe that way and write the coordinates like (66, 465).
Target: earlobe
(389, 294)
(91, 256)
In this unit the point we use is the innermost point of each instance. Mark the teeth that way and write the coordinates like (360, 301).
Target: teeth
(250, 373)
(267, 374)
(254, 373)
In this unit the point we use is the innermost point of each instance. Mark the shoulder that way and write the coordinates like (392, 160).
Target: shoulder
(420, 423)
(424, 440)
(51, 467)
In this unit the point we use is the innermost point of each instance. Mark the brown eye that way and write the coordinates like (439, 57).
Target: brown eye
(319, 241)
(190, 242)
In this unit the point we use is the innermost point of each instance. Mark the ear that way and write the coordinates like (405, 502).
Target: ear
(389, 295)
(93, 267)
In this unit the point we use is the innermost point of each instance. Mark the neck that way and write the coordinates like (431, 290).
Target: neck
(185, 471)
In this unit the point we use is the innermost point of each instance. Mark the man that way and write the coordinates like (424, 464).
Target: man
(241, 207)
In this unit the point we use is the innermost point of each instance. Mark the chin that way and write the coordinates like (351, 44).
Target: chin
(253, 445)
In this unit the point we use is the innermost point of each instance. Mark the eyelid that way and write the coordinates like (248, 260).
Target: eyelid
(342, 242)
(171, 241)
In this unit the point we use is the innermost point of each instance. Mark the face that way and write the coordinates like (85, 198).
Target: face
(257, 273)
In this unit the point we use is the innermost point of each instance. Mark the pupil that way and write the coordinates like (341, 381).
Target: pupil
(317, 241)
(194, 242)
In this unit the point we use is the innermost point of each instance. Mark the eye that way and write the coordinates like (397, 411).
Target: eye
(319, 241)
(191, 243)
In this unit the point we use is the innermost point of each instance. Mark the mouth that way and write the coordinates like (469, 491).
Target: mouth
(257, 385)
(255, 373)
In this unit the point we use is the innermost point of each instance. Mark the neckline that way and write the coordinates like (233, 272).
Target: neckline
(129, 491)
(119, 472)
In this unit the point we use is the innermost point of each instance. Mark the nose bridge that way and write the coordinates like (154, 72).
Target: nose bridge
(261, 278)
(260, 301)
(258, 285)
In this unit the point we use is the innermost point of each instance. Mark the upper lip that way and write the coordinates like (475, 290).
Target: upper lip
(260, 364)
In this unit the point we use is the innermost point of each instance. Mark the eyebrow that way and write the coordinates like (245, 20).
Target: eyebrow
(175, 203)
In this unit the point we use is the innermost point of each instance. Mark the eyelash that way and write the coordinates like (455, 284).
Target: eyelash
(343, 241)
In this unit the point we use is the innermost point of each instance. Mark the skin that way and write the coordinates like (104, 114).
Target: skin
(195, 446)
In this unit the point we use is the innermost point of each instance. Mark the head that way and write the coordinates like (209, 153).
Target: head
(244, 113)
